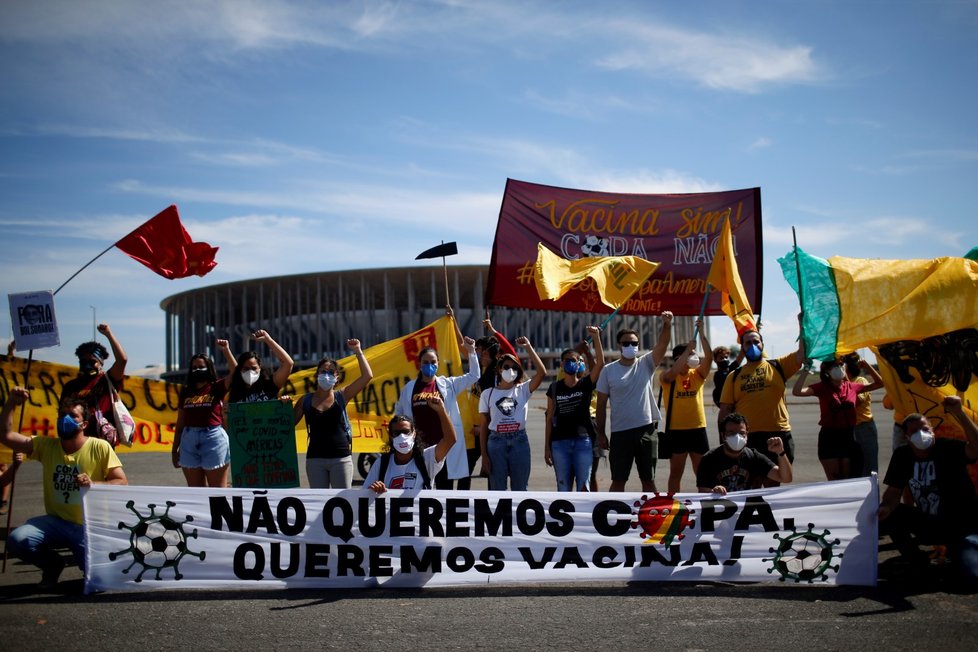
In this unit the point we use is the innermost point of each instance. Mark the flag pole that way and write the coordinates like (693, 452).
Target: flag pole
(13, 480)
(801, 296)
(706, 295)
(83, 268)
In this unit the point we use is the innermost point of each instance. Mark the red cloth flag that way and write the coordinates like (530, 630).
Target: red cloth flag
(163, 245)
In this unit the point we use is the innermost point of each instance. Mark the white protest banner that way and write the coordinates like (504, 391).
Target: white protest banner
(176, 537)
(32, 319)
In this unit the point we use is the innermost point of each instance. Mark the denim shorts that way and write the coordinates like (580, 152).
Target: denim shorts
(204, 448)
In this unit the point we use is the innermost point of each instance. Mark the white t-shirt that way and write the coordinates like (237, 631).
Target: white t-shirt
(507, 408)
(629, 390)
(406, 476)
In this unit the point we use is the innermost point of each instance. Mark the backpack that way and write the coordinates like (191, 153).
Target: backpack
(345, 421)
(385, 462)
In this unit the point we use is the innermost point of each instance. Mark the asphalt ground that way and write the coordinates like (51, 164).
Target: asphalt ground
(912, 607)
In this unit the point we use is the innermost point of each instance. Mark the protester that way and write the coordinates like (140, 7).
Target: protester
(4, 468)
(72, 461)
(253, 382)
(756, 390)
(569, 429)
(329, 457)
(414, 402)
(837, 404)
(945, 506)
(865, 433)
(503, 411)
(627, 383)
(92, 384)
(725, 366)
(408, 464)
(200, 443)
(682, 393)
(735, 466)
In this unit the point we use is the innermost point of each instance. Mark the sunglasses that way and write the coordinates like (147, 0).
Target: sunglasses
(508, 366)
(629, 343)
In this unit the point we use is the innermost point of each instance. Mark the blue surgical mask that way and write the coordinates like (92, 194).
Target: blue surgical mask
(429, 369)
(67, 427)
(326, 380)
(571, 367)
(752, 352)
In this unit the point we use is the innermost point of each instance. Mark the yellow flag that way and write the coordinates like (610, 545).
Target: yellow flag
(616, 277)
(725, 277)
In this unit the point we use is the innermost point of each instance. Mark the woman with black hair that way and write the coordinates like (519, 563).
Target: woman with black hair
(91, 386)
(503, 412)
(407, 464)
(329, 458)
(254, 382)
(200, 443)
(837, 403)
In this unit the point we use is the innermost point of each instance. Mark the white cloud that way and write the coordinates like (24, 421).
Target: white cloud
(761, 143)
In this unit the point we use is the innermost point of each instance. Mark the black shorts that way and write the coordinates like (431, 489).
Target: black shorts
(836, 443)
(692, 440)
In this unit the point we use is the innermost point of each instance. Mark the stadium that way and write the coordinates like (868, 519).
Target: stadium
(312, 315)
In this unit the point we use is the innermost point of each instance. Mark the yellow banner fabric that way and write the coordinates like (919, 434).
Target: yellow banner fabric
(616, 277)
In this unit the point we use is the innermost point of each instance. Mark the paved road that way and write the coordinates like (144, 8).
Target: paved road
(909, 609)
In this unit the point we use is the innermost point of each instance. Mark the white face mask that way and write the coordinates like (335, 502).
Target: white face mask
(508, 375)
(629, 352)
(736, 442)
(403, 443)
(837, 373)
(326, 381)
(693, 361)
(250, 376)
(922, 439)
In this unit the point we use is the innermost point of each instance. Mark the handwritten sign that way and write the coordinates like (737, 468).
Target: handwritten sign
(263, 445)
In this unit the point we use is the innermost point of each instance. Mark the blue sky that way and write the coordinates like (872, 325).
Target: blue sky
(311, 136)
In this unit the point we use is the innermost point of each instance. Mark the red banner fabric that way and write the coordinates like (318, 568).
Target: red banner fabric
(679, 231)
(163, 245)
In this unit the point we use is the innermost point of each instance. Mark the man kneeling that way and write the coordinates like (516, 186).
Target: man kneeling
(733, 466)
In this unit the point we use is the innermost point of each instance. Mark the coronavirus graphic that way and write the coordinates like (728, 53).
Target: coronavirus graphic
(662, 518)
(156, 541)
(804, 556)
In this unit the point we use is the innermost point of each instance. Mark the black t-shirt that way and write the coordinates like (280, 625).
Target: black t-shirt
(263, 389)
(717, 468)
(327, 433)
(940, 484)
(572, 409)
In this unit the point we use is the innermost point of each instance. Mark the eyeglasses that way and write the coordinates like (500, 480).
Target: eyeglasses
(629, 343)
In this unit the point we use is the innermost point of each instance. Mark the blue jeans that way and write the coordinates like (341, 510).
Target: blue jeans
(36, 541)
(868, 440)
(572, 461)
(509, 455)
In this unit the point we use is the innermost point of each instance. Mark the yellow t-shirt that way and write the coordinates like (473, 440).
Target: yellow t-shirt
(756, 391)
(687, 394)
(864, 403)
(62, 497)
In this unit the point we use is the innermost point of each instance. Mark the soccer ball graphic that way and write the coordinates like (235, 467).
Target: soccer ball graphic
(594, 246)
(156, 542)
(804, 556)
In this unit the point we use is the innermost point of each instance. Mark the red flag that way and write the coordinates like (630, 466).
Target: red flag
(163, 245)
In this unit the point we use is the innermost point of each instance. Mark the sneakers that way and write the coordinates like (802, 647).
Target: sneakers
(50, 574)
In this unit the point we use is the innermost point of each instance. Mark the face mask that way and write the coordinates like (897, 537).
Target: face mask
(403, 443)
(837, 373)
(326, 381)
(571, 367)
(508, 375)
(693, 361)
(753, 352)
(198, 373)
(428, 369)
(922, 439)
(736, 443)
(67, 427)
(722, 365)
(629, 351)
(249, 376)
(87, 367)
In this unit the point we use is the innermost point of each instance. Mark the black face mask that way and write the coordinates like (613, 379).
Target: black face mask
(722, 365)
(199, 374)
(87, 367)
